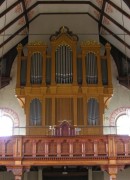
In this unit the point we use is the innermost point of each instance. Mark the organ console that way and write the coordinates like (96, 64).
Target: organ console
(66, 85)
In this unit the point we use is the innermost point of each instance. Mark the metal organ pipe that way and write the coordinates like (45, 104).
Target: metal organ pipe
(63, 66)
(93, 111)
(36, 68)
(91, 68)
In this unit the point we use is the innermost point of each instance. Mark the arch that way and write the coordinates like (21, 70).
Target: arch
(8, 120)
(116, 113)
(10, 113)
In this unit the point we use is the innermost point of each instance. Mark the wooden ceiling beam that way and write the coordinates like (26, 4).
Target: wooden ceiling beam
(119, 9)
(101, 14)
(9, 8)
(127, 2)
(25, 13)
(1, 2)
(64, 2)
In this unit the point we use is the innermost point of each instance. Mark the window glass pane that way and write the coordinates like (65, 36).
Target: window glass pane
(6, 126)
(123, 125)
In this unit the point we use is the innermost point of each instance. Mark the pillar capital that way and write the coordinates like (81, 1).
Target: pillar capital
(17, 171)
(112, 170)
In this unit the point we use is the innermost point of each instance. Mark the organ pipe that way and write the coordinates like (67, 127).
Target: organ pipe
(91, 68)
(36, 68)
(63, 66)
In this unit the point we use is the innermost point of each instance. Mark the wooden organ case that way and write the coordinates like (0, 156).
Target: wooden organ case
(67, 85)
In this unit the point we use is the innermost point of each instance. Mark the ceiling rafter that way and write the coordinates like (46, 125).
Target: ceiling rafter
(127, 2)
(25, 13)
(63, 2)
(12, 22)
(101, 14)
(111, 33)
(119, 9)
(81, 2)
(15, 34)
(10, 55)
(10, 8)
(1, 2)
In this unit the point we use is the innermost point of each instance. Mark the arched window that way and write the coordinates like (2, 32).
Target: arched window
(120, 118)
(8, 121)
(6, 126)
(123, 124)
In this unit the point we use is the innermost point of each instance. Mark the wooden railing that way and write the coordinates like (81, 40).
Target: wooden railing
(65, 147)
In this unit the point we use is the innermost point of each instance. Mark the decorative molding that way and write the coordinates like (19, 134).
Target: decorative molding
(109, 8)
(12, 114)
(90, 43)
(112, 169)
(116, 113)
(36, 43)
(64, 30)
(99, 2)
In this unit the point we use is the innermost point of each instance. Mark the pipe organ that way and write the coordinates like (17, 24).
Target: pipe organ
(65, 85)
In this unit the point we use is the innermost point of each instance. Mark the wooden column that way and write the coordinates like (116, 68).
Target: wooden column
(19, 49)
(53, 74)
(44, 69)
(101, 112)
(40, 173)
(108, 47)
(74, 66)
(71, 148)
(85, 111)
(75, 110)
(53, 111)
(28, 67)
(26, 170)
(25, 176)
(95, 147)
(99, 68)
(46, 148)
(59, 148)
(43, 112)
(27, 112)
(83, 69)
(90, 177)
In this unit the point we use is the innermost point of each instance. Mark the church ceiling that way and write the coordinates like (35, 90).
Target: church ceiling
(112, 16)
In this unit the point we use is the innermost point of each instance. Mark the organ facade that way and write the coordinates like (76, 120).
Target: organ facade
(70, 84)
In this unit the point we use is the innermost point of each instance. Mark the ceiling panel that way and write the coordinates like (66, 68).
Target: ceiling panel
(94, 13)
(121, 4)
(6, 4)
(59, 8)
(29, 3)
(115, 42)
(11, 15)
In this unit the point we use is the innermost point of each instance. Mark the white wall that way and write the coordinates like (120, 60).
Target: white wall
(8, 99)
(120, 98)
